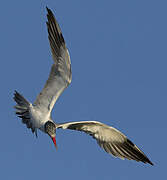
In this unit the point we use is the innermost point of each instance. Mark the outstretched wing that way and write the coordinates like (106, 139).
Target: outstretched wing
(110, 139)
(60, 74)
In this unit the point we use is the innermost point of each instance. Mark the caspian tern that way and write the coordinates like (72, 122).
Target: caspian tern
(38, 115)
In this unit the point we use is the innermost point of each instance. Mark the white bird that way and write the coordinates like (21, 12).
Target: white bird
(38, 115)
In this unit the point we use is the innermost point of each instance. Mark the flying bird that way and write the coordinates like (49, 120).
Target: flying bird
(38, 115)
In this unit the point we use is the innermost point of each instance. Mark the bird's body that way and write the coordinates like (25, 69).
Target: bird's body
(38, 115)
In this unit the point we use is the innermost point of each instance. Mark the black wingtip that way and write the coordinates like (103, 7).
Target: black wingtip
(47, 8)
(146, 160)
(150, 162)
(142, 157)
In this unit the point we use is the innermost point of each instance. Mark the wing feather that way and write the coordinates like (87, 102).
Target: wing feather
(109, 139)
(60, 75)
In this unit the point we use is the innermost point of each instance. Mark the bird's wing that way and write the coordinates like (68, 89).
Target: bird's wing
(60, 74)
(110, 139)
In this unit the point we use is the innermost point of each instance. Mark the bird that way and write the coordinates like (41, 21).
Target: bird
(37, 115)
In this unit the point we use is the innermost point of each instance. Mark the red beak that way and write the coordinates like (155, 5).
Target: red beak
(54, 141)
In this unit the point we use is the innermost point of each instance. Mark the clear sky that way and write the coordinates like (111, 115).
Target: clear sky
(119, 59)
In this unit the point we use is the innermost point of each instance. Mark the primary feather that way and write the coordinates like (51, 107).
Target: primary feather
(60, 74)
(109, 139)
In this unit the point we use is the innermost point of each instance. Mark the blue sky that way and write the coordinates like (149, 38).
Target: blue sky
(119, 60)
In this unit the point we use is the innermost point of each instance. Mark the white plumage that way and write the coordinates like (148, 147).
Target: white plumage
(38, 115)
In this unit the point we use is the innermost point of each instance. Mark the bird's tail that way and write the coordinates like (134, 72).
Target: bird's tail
(22, 103)
(22, 110)
(22, 107)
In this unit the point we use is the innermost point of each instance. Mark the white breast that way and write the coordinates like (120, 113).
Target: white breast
(38, 117)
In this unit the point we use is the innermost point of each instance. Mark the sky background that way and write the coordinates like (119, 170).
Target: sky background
(118, 52)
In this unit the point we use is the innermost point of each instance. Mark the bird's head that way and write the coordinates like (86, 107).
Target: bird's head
(50, 129)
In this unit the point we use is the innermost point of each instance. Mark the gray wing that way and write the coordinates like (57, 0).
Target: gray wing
(60, 74)
(110, 139)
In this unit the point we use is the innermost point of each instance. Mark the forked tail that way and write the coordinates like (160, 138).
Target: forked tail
(22, 110)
